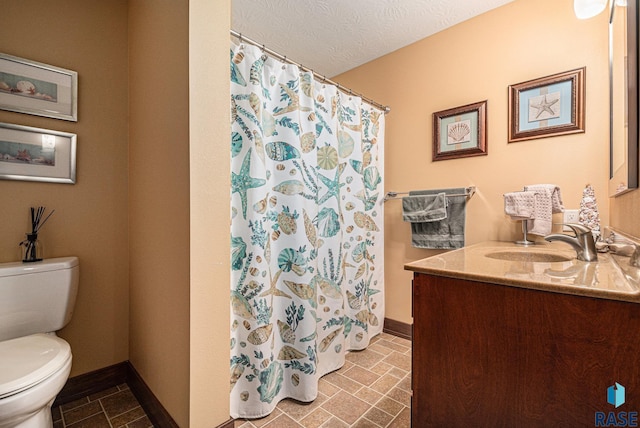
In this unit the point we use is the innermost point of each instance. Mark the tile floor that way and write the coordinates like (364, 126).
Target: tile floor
(112, 408)
(372, 390)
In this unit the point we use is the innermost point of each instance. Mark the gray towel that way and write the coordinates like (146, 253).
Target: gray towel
(424, 208)
(447, 233)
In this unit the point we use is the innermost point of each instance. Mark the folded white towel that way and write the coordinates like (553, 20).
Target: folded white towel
(520, 205)
(556, 198)
(547, 202)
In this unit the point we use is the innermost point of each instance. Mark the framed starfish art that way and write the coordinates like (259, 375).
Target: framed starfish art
(547, 106)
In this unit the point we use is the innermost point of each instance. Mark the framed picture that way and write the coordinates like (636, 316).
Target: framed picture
(548, 106)
(39, 89)
(34, 154)
(460, 132)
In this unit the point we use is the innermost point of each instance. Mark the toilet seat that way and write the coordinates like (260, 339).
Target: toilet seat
(27, 361)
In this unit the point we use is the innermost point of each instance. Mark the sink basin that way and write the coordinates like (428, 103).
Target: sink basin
(528, 256)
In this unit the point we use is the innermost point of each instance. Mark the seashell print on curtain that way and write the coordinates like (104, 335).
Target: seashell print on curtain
(306, 230)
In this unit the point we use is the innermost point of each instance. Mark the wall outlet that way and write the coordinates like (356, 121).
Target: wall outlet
(570, 216)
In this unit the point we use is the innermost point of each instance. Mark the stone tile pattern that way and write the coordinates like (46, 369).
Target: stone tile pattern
(112, 408)
(372, 389)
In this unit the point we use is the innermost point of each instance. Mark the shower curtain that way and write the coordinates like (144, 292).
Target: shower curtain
(306, 230)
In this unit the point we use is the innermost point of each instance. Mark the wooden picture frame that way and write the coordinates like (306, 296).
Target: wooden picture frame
(548, 106)
(460, 132)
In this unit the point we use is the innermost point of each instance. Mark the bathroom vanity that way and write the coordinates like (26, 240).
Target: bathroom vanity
(508, 336)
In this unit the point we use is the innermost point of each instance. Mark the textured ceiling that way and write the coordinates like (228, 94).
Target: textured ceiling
(333, 36)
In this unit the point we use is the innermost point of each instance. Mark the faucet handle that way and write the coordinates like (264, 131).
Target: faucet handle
(578, 229)
(635, 257)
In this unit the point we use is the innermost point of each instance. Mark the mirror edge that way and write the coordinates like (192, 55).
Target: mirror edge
(632, 101)
(632, 58)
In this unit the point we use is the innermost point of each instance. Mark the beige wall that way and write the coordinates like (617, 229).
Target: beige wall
(134, 175)
(471, 62)
(210, 184)
(159, 199)
(625, 212)
(91, 216)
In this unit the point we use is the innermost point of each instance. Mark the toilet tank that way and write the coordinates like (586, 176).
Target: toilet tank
(37, 297)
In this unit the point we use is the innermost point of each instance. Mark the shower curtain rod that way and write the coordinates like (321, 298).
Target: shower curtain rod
(385, 109)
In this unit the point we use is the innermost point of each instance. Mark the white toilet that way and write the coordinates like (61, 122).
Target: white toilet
(36, 299)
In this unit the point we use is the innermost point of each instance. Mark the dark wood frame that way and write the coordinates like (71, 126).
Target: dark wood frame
(481, 136)
(633, 158)
(577, 78)
(633, 151)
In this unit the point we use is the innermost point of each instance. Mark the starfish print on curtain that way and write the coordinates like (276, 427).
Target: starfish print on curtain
(307, 243)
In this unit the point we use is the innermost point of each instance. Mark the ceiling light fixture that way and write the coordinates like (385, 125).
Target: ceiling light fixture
(585, 9)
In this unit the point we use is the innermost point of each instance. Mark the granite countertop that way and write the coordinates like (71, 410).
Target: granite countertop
(609, 278)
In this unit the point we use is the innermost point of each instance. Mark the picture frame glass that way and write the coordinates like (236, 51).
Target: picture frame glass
(459, 132)
(545, 106)
(33, 154)
(548, 106)
(34, 88)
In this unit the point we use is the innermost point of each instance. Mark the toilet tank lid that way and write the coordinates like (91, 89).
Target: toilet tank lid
(26, 361)
(20, 268)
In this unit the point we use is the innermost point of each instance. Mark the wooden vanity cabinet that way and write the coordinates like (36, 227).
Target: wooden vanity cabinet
(487, 355)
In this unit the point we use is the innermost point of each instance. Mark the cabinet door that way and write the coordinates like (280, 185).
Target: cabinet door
(496, 356)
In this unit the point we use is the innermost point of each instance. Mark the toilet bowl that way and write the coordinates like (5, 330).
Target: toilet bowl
(36, 300)
(33, 370)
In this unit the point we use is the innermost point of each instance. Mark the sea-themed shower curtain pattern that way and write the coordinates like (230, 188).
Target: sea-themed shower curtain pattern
(306, 230)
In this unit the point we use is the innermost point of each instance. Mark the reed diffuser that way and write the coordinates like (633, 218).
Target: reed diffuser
(31, 246)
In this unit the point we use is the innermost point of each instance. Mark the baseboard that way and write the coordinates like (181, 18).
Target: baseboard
(229, 424)
(92, 382)
(117, 374)
(398, 328)
(152, 407)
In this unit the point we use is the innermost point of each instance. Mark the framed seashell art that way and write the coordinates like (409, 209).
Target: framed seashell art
(460, 132)
(547, 107)
(34, 154)
(34, 88)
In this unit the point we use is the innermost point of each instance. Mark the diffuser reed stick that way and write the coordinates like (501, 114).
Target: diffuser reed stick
(31, 243)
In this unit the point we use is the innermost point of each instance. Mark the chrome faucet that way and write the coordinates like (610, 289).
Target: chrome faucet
(583, 242)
